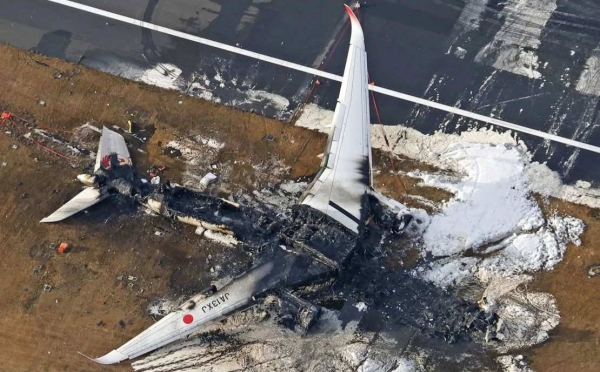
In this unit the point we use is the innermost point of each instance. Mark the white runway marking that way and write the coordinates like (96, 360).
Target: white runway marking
(326, 75)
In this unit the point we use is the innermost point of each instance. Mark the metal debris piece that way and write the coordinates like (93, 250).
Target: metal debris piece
(47, 287)
(155, 180)
(132, 278)
(119, 277)
(270, 137)
(14, 147)
(155, 171)
(4, 164)
(159, 233)
(593, 270)
(41, 102)
(208, 179)
(296, 313)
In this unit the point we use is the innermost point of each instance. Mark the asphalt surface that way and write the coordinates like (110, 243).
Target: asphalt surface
(448, 51)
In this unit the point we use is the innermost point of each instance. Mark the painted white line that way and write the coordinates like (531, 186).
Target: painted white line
(486, 119)
(197, 39)
(326, 75)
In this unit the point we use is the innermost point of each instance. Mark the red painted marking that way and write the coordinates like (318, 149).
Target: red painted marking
(124, 161)
(188, 318)
(105, 162)
(350, 13)
(121, 159)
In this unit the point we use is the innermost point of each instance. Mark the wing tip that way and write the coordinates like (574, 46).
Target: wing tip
(111, 358)
(357, 38)
(85, 199)
(350, 13)
(54, 217)
(85, 356)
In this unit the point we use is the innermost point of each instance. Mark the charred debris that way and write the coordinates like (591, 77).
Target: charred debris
(317, 260)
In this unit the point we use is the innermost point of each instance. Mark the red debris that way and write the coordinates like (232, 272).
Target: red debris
(63, 248)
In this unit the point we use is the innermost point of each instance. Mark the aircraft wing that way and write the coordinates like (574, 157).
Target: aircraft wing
(345, 174)
(85, 199)
(183, 322)
(111, 143)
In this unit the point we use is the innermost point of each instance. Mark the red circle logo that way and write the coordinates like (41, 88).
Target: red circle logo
(105, 162)
(188, 319)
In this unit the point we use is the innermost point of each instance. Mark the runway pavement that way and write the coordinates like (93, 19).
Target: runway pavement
(531, 62)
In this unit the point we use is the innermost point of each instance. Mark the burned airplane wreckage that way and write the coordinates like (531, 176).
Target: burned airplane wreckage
(339, 215)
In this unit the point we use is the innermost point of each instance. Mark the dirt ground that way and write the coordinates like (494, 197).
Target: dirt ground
(575, 344)
(88, 308)
(42, 331)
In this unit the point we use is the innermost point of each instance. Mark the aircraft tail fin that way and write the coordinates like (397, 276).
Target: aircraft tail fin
(112, 152)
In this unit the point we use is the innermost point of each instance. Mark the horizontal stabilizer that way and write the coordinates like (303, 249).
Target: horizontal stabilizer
(85, 199)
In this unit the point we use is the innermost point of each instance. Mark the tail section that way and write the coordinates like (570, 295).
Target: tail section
(345, 175)
(112, 151)
(112, 159)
